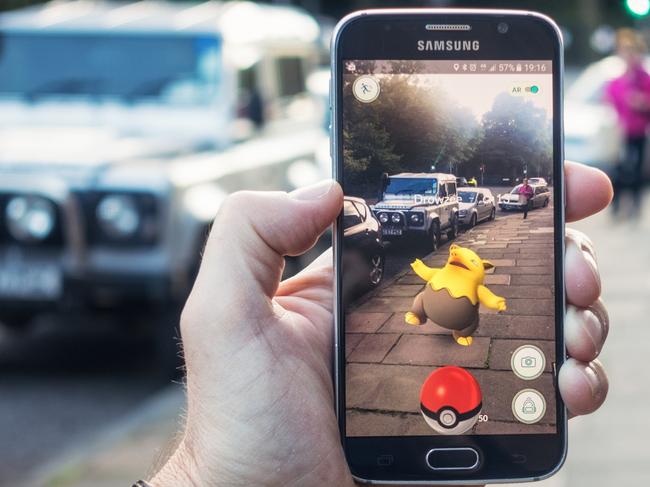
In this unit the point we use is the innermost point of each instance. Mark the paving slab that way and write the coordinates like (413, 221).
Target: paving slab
(365, 322)
(351, 342)
(439, 350)
(373, 347)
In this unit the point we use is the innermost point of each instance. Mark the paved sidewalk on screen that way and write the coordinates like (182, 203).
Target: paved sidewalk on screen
(389, 360)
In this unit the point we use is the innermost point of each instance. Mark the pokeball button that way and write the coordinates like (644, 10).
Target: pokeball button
(447, 418)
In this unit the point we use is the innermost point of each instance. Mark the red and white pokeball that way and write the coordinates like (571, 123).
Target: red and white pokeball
(451, 400)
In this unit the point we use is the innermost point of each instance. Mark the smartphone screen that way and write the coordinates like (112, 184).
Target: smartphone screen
(448, 245)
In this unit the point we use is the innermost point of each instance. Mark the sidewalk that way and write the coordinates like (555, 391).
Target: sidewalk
(389, 360)
(126, 452)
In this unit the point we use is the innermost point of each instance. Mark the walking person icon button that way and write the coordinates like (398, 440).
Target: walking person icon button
(365, 89)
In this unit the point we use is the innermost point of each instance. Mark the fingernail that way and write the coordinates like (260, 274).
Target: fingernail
(600, 310)
(596, 380)
(314, 191)
(574, 254)
(593, 266)
(594, 328)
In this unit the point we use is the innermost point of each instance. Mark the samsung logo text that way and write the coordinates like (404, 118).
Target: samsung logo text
(448, 45)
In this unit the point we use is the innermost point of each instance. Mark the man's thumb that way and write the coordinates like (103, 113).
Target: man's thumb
(243, 259)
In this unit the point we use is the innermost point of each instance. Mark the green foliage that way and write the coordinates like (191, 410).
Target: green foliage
(406, 128)
(414, 126)
(517, 136)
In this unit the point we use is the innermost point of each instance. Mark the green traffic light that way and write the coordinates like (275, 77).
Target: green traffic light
(638, 8)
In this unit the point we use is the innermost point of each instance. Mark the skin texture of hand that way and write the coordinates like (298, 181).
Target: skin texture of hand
(259, 351)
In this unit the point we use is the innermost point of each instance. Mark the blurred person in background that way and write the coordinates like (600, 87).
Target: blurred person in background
(630, 96)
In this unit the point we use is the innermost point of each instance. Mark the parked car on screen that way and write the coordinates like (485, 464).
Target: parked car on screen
(535, 181)
(362, 238)
(419, 207)
(475, 205)
(515, 201)
(123, 127)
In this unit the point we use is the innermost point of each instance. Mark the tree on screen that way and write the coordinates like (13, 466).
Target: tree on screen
(411, 126)
(517, 137)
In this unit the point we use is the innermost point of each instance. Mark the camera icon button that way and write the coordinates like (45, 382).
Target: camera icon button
(528, 362)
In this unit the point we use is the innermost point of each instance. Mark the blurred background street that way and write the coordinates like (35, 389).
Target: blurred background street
(115, 154)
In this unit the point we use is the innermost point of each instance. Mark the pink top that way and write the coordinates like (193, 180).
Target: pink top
(630, 96)
(526, 190)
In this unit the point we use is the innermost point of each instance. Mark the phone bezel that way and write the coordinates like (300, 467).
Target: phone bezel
(544, 454)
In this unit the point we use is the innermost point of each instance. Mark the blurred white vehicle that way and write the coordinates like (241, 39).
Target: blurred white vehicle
(592, 133)
(475, 205)
(532, 181)
(123, 127)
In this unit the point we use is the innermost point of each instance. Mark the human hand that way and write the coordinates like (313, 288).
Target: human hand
(259, 352)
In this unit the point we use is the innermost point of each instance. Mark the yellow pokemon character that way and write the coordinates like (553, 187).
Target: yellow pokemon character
(452, 295)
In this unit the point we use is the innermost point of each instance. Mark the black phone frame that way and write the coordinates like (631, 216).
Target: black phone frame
(393, 34)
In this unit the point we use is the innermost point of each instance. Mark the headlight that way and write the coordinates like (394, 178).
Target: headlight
(118, 216)
(30, 218)
(383, 218)
(462, 212)
(396, 218)
(416, 218)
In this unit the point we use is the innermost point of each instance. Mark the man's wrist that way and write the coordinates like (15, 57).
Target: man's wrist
(180, 470)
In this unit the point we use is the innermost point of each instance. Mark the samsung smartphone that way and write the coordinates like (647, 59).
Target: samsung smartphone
(447, 140)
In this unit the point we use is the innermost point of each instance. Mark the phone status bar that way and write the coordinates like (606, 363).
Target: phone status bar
(449, 67)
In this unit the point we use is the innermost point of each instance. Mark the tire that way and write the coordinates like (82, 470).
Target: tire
(376, 273)
(545, 202)
(17, 322)
(493, 214)
(452, 233)
(472, 221)
(434, 237)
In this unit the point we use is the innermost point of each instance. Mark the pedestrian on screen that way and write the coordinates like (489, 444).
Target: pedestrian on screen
(629, 94)
(526, 190)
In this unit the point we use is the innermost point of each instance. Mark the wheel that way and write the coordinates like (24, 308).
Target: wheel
(376, 273)
(452, 233)
(472, 222)
(545, 202)
(17, 322)
(493, 214)
(434, 237)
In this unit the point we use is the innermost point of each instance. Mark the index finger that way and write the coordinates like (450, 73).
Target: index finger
(588, 190)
